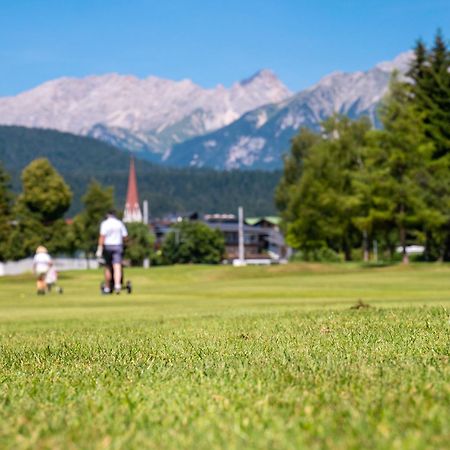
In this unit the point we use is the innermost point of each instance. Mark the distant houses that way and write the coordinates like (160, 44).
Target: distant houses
(263, 240)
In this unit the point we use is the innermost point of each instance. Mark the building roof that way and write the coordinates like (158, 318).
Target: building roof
(132, 211)
(274, 220)
(234, 227)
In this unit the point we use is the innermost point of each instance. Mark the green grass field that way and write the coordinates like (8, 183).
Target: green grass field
(221, 357)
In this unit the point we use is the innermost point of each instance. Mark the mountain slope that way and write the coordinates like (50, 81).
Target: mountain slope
(80, 159)
(145, 115)
(260, 137)
(178, 123)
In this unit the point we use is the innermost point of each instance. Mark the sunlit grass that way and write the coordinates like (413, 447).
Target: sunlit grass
(220, 357)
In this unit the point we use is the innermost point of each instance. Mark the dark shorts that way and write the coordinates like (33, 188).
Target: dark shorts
(113, 254)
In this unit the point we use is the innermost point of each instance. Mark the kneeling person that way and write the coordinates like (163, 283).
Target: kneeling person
(110, 245)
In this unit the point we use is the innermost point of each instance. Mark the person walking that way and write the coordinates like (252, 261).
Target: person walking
(113, 234)
(41, 265)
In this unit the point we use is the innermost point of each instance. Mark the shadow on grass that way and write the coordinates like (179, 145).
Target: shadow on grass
(378, 264)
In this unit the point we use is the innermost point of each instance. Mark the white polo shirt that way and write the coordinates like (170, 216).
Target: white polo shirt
(113, 230)
(42, 262)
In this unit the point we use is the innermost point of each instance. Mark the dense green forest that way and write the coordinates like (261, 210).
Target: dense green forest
(350, 188)
(80, 159)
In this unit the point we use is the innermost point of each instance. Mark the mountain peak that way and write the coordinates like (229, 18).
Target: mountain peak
(163, 119)
(401, 62)
(263, 74)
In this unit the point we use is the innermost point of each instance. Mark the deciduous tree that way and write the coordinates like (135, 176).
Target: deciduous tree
(139, 243)
(39, 211)
(97, 202)
(193, 242)
(316, 196)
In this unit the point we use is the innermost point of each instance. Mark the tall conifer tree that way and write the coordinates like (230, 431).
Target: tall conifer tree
(430, 73)
(397, 164)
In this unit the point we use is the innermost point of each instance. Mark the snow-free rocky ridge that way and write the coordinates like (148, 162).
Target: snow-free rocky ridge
(248, 125)
(147, 115)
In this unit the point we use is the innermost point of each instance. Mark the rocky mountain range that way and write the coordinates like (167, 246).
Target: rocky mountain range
(248, 125)
(143, 115)
(260, 137)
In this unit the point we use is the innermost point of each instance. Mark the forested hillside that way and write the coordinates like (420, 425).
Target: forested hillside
(80, 159)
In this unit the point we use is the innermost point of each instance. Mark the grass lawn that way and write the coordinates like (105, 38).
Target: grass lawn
(220, 357)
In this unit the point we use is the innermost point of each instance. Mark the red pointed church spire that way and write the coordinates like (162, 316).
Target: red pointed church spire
(132, 211)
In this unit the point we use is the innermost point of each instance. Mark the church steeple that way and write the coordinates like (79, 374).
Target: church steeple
(132, 211)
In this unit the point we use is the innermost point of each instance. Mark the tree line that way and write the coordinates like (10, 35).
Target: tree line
(350, 185)
(36, 217)
(80, 159)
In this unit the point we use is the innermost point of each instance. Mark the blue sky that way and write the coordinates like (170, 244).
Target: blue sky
(210, 42)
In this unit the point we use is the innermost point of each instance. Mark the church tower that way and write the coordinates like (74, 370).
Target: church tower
(132, 211)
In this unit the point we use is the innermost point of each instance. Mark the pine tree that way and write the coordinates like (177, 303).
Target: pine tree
(418, 68)
(430, 73)
(397, 167)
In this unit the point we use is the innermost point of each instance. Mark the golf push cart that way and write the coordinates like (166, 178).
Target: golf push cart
(125, 285)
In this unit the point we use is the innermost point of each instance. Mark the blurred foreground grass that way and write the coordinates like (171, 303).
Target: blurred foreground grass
(222, 357)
